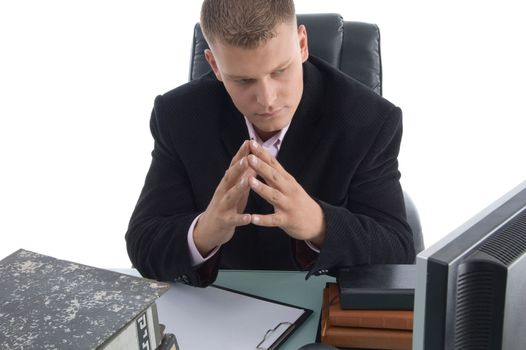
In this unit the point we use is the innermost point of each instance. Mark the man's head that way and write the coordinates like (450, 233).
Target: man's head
(257, 51)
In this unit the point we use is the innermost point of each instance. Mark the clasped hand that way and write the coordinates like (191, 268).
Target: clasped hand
(294, 210)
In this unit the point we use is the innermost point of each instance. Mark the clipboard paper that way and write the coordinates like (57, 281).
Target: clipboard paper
(221, 318)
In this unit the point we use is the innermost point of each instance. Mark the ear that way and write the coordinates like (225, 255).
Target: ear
(213, 63)
(303, 41)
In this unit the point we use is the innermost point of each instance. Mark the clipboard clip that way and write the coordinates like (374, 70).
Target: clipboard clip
(268, 333)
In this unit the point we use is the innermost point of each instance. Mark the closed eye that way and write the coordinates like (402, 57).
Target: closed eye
(244, 81)
(279, 72)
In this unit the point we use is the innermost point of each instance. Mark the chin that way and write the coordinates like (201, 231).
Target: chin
(271, 127)
(277, 123)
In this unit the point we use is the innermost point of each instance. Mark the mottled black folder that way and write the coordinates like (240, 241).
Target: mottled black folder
(385, 287)
(46, 303)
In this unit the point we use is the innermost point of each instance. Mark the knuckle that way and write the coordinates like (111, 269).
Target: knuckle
(275, 175)
(276, 220)
(227, 220)
(275, 196)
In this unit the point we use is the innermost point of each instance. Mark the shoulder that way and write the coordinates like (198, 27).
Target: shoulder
(197, 105)
(192, 94)
(192, 111)
(348, 99)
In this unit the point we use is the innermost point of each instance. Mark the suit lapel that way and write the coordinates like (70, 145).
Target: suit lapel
(234, 128)
(304, 133)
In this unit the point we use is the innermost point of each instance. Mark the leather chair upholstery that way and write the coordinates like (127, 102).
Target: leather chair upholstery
(353, 47)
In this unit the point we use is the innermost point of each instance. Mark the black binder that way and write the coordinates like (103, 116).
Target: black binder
(386, 287)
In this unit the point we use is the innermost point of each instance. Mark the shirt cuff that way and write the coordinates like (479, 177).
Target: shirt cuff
(312, 246)
(195, 256)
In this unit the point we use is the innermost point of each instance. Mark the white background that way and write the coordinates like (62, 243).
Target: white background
(78, 80)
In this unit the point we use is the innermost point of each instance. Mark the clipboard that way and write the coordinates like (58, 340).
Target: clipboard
(222, 318)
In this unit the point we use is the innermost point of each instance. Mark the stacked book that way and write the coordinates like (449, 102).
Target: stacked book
(371, 307)
(47, 303)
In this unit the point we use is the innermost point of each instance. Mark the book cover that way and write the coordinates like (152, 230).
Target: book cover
(47, 303)
(367, 338)
(389, 319)
(384, 287)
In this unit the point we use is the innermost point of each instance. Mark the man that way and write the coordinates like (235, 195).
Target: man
(316, 188)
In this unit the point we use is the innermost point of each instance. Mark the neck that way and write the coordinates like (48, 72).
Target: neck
(265, 135)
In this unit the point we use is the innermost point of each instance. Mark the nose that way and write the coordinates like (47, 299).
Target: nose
(266, 93)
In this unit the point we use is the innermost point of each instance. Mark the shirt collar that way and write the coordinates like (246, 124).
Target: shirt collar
(275, 140)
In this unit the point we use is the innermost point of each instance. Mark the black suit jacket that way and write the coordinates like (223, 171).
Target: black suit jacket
(341, 146)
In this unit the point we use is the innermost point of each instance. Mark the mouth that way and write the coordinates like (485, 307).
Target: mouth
(268, 115)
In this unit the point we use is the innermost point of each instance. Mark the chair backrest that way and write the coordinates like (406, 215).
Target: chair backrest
(353, 47)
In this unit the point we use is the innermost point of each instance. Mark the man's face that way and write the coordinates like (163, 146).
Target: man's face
(265, 83)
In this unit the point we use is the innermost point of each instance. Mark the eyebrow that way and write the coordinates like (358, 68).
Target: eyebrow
(279, 67)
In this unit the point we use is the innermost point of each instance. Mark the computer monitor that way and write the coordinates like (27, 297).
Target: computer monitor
(471, 286)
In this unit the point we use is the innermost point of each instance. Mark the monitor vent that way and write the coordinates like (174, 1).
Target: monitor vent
(510, 242)
(475, 312)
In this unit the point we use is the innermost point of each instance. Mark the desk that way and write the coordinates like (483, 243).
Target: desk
(285, 286)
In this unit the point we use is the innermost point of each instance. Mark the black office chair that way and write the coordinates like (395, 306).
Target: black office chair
(353, 47)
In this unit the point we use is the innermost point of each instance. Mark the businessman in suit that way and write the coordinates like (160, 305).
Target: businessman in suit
(274, 160)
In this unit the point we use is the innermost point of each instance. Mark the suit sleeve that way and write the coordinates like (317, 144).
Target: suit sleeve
(372, 227)
(156, 239)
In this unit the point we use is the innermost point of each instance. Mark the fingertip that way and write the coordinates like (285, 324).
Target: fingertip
(254, 183)
(253, 160)
(246, 144)
(255, 219)
(247, 218)
(254, 145)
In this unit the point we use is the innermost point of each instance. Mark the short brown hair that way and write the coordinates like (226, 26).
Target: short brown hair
(244, 23)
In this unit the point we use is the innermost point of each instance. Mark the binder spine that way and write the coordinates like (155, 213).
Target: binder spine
(143, 333)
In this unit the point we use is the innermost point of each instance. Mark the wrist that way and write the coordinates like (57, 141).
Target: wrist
(202, 240)
(318, 240)
(320, 227)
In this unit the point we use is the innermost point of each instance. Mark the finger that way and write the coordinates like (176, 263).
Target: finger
(236, 219)
(229, 205)
(260, 152)
(269, 220)
(249, 172)
(234, 172)
(242, 202)
(231, 197)
(272, 176)
(270, 194)
(243, 151)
